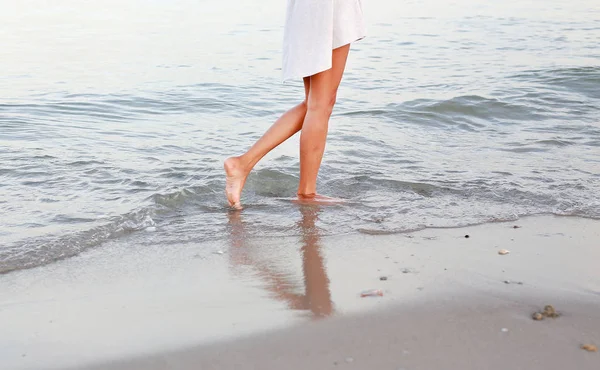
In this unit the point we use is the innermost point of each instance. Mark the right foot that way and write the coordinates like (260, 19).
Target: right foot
(235, 180)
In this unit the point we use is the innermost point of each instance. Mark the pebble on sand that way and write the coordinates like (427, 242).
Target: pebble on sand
(513, 282)
(589, 347)
(383, 278)
(467, 236)
(502, 252)
(537, 316)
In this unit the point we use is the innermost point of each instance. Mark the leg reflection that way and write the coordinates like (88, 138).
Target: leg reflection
(316, 282)
(317, 296)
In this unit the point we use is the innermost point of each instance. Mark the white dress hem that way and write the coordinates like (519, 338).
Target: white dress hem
(313, 29)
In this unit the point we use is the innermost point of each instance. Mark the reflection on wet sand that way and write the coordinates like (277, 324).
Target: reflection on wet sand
(316, 297)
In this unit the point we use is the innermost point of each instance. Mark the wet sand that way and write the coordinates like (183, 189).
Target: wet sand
(449, 302)
(469, 332)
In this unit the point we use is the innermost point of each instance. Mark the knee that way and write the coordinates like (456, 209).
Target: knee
(321, 105)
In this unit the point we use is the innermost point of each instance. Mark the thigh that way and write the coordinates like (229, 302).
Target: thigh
(324, 85)
(339, 57)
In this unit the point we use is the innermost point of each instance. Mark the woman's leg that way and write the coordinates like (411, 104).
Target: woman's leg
(320, 102)
(238, 168)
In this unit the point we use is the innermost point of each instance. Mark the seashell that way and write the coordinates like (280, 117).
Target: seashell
(372, 293)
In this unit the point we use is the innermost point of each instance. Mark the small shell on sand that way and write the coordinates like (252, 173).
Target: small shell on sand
(537, 316)
(589, 347)
(502, 252)
(549, 311)
(372, 293)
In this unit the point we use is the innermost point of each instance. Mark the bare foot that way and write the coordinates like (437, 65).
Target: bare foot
(235, 180)
(317, 199)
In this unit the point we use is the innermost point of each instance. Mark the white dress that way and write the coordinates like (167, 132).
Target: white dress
(313, 28)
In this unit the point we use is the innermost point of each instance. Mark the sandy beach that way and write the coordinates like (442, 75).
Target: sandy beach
(449, 302)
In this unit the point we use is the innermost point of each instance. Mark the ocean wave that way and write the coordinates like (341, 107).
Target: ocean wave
(39, 251)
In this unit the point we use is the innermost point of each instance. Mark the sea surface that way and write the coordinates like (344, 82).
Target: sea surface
(116, 116)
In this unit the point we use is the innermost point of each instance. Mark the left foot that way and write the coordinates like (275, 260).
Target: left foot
(235, 180)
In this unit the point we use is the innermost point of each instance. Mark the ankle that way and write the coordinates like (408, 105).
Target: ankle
(235, 165)
(245, 164)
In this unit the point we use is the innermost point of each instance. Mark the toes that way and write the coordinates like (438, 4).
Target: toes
(232, 200)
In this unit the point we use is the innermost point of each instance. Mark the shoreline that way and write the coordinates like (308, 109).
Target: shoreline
(122, 306)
